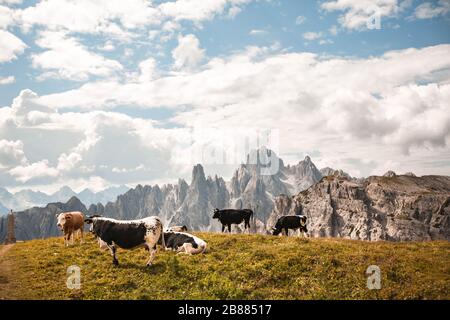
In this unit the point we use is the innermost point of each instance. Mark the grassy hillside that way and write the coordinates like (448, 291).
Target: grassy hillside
(235, 267)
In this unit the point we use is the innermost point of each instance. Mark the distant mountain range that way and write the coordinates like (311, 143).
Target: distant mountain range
(390, 207)
(24, 199)
(182, 203)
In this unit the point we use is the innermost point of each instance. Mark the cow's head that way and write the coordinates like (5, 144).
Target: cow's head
(63, 219)
(303, 221)
(91, 220)
(216, 214)
(276, 231)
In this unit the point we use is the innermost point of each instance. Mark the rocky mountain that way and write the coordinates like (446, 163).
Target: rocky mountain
(28, 198)
(392, 207)
(40, 222)
(192, 204)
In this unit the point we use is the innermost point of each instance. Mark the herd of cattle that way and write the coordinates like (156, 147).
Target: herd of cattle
(148, 232)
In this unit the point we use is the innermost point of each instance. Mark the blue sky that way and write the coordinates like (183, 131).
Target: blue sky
(223, 35)
(158, 68)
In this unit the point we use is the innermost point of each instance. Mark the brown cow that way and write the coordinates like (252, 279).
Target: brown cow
(69, 223)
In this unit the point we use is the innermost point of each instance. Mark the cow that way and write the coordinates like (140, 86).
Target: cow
(290, 222)
(69, 223)
(227, 217)
(127, 234)
(177, 229)
(182, 242)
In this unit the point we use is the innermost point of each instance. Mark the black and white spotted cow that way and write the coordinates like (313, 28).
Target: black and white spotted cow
(290, 222)
(127, 234)
(182, 242)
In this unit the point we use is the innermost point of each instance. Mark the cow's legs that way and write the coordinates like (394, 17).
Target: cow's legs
(229, 228)
(82, 235)
(112, 248)
(185, 249)
(286, 230)
(152, 255)
(223, 228)
(69, 234)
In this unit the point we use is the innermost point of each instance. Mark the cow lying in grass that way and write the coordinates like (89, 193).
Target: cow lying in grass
(290, 222)
(182, 242)
(69, 223)
(127, 234)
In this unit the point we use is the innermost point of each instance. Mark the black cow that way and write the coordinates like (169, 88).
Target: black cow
(227, 217)
(127, 234)
(182, 242)
(290, 222)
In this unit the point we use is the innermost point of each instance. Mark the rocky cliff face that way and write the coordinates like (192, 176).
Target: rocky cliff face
(391, 207)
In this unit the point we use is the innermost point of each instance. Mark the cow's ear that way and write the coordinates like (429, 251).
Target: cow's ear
(88, 220)
(68, 216)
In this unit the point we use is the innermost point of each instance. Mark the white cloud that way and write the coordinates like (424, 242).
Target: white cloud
(7, 80)
(199, 10)
(352, 97)
(385, 107)
(11, 1)
(6, 16)
(148, 70)
(428, 10)
(188, 54)
(300, 20)
(257, 32)
(66, 58)
(334, 30)
(40, 169)
(325, 41)
(11, 153)
(10, 46)
(73, 147)
(233, 12)
(117, 17)
(87, 16)
(107, 46)
(312, 35)
(359, 12)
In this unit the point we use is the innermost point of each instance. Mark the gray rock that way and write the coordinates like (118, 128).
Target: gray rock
(395, 208)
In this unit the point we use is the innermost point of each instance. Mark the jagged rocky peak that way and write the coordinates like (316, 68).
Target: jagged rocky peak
(410, 174)
(198, 175)
(327, 171)
(390, 174)
(75, 202)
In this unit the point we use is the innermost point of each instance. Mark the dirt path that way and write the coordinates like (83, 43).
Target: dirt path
(5, 273)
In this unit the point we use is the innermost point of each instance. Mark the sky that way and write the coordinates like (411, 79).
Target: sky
(108, 92)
